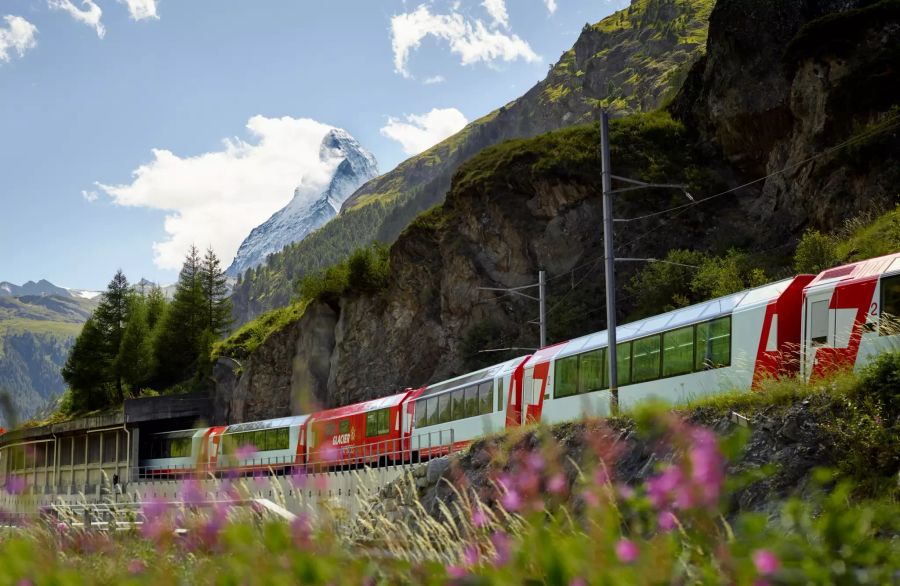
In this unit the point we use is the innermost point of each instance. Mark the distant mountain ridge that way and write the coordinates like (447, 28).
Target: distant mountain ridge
(631, 61)
(301, 217)
(39, 322)
(42, 288)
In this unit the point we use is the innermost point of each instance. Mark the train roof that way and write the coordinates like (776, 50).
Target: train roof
(859, 271)
(267, 424)
(712, 309)
(489, 373)
(364, 407)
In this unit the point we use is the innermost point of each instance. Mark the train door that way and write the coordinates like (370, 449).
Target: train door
(818, 329)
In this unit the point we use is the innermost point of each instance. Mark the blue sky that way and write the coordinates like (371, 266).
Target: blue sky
(81, 113)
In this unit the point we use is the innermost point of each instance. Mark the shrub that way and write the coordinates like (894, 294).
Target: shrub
(815, 253)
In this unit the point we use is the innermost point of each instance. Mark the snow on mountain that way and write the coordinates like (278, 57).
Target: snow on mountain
(43, 288)
(353, 166)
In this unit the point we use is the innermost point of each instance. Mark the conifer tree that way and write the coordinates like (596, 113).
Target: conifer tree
(178, 343)
(111, 316)
(87, 368)
(215, 293)
(135, 361)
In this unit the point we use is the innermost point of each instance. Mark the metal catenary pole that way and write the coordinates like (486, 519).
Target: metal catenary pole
(542, 294)
(609, 255)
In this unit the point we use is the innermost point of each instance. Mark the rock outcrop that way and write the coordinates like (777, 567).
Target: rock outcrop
(535, 204)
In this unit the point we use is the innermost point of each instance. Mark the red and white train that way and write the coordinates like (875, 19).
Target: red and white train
(805, 325)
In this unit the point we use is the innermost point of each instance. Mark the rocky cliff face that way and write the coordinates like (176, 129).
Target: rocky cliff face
(630, 62)
(777, 99)
(353, 166)
(530, 204)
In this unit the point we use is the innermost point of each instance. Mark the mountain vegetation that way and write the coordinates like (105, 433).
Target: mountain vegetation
(136, 339)
(37, 331)
(632, 61)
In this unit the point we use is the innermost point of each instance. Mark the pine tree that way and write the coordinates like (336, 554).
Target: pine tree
(87, 369)
(111, 317)
(177, 346)
(135, 361)
(157, 304)
(215, 292)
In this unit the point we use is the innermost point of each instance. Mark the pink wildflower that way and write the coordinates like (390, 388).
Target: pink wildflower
(15, 484)
(535, 461)
(245, 452)
(456, 572)
(766, 562)
(667, 521)
(301, 529)
(501, 543)
(625, 491)
(579, 581)
(590, 498)
(557, 483)
(479, 519)
(329, 453)
(136, 567)
(601, 476)
(470, 555)
(511, 501)
(626, 551)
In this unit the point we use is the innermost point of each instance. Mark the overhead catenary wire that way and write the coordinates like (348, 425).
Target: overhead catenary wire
(891, 123)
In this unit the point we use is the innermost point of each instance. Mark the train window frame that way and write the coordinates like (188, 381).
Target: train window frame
(651, 373)
(688, 366)
(421, 414)
(457, 404)
(706, 360)
(444, 408)
(432, 410)
(498, 384)
(886, 319)
(472, 407)
(561, 373)
(485, 398)
(582, 386)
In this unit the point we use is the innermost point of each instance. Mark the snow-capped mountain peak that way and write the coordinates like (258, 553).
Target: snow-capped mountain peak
(353, 166)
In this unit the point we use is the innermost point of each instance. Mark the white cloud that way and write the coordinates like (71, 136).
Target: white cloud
(419, 132)
(217, 198)
(89, 15)
(472, 40)
(497, 10)
(434, 79)
(551, 6)
(141, 9)
(89, 196)
(18, 35)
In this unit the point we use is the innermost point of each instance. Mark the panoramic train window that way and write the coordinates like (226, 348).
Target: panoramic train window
(432, 411)
(645, 359)
(678, 351)
(421, 413)
(566, 383)
(623, 365)
(713, 342)
(471, 402)
(378, 422)
(444, 408)
(344, 426)
(458, 404)
(486, 397)
(890, 306)
(590, 370)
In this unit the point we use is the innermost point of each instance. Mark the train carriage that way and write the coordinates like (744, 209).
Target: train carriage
(362, 433)
(850, 315)
(273, 444)
(450, 414)
(727, 343)
(180, 453)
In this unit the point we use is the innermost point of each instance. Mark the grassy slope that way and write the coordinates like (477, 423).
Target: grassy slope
(644, 53)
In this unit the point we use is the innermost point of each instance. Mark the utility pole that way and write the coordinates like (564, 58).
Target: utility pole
(541, 299)
(609, 251)
(609, 257)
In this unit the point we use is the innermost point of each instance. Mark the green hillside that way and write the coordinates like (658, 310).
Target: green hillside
(631, 61)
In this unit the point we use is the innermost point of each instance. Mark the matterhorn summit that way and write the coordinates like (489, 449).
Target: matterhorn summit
(353, 166)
